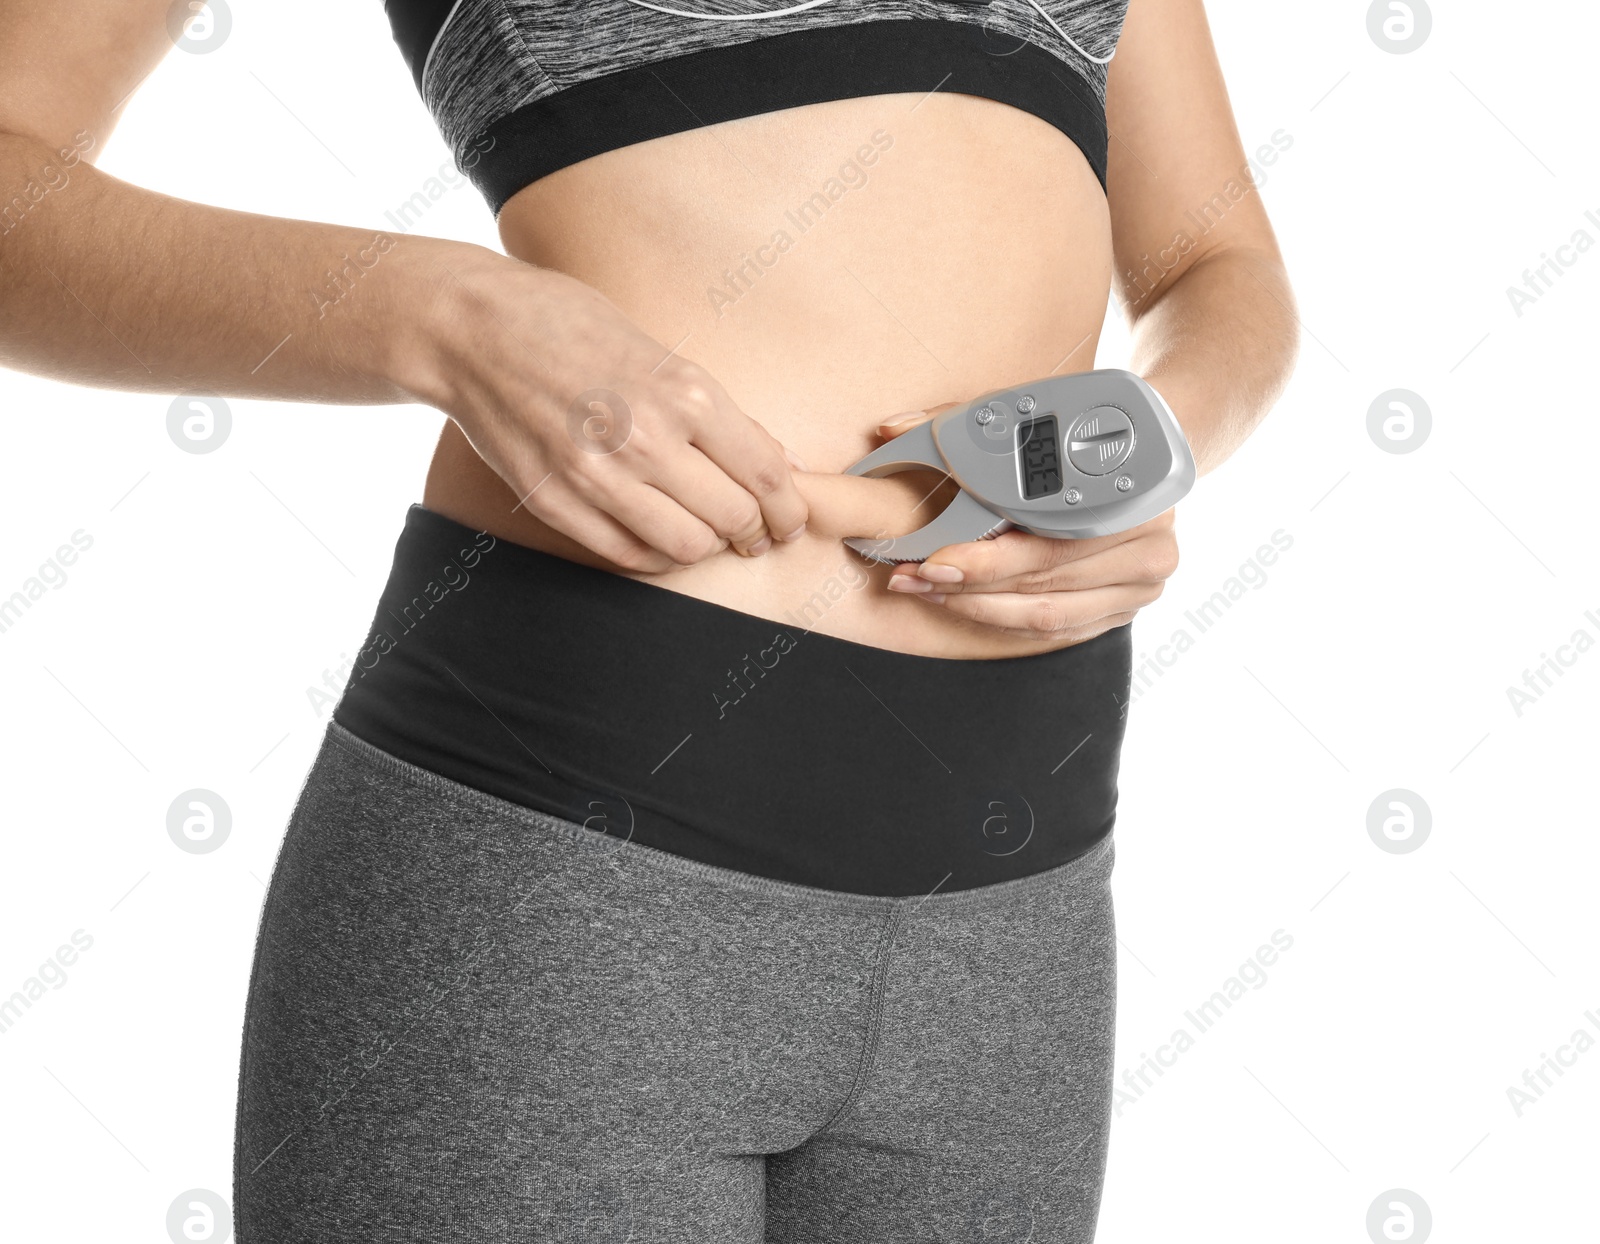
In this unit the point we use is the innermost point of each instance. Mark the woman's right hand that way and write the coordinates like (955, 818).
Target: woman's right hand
(601, 431)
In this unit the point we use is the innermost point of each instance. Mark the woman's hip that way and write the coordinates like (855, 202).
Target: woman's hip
(758, 745)
(462, 1008)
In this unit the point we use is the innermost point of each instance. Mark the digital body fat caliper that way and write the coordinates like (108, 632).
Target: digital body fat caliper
(1068, 456)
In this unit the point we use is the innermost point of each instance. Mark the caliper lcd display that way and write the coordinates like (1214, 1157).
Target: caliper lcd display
(1039, 452)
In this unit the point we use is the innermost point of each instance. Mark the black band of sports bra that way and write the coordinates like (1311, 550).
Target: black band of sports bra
(521, 88)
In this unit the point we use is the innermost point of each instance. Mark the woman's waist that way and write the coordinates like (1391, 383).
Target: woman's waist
(530, 620)
(567, 688)
(822, 395)
(826, 294)
(816, 582)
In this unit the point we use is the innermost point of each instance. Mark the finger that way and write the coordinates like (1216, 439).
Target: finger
(748, 455)
(1008, 557)
(1047, 614)
(1080, 635)
(588, 533)
(902, 423)
(1152, 559)
(1017, 555)
(854, 505)
(651, 515)
(1073, 637)
(700, 486)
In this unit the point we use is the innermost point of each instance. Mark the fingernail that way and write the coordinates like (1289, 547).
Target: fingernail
(933, 598)
(908, 583)
(935, 572)
(905, 418)
(795, 460)
(760, 546)
(795, 534)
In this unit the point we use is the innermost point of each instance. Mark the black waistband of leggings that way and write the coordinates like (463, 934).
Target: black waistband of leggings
(752, 744)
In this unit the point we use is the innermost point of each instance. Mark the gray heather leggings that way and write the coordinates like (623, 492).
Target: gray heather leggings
(472, 1023)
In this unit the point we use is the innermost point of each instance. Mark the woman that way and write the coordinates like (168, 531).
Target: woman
(668, 872)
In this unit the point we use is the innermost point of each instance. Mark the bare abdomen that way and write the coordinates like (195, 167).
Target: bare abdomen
(831, 265)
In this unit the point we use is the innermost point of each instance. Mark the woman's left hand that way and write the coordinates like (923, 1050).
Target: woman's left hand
(1040, 587)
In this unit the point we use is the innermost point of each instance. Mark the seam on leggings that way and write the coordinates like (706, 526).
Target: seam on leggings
(1016, 889)
(869, 1044)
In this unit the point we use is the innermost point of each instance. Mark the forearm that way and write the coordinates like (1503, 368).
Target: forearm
(112, 285)
(1219, 345)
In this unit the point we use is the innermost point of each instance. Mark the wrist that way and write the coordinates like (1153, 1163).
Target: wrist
(1185, 402)
(437, 316)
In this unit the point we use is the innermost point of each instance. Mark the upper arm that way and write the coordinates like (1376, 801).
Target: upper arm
(68, 67)
(1177, 178)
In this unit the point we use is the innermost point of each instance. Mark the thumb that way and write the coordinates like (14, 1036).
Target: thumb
(853, 505)
(898, 425)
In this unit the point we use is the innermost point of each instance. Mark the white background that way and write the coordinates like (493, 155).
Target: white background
(1376, 654)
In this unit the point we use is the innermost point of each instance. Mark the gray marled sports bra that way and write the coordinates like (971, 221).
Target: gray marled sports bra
(520, 88)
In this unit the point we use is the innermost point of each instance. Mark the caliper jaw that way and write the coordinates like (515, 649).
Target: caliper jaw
(962, 520)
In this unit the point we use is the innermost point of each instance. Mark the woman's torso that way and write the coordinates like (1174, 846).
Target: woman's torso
(973, 252)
